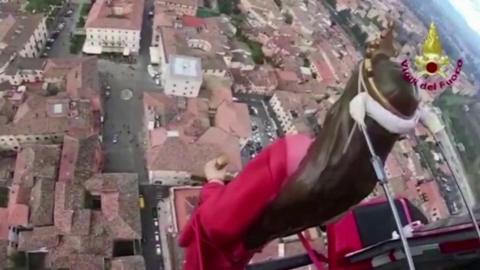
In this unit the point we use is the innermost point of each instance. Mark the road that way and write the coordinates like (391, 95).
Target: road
(151, 194)
(123, 119)
(61, 46)
(261, 119)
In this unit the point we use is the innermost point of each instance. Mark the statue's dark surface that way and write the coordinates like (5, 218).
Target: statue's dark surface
(335, 176)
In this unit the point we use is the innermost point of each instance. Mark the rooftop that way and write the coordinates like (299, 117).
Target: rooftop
(184, 200)
(39, 115)
(79, 76)
(176, 155)
(234, 118)
(16, 28)
(186, 66)
(116, 14)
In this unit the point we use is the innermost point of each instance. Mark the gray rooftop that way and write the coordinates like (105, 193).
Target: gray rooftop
(186, 66)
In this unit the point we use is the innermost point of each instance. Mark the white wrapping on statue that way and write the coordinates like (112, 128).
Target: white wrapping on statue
(363, 104)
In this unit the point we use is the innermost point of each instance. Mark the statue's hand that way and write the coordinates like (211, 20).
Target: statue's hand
(357, 109)
(214, 172)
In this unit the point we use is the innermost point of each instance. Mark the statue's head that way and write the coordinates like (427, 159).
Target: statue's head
(384, 78)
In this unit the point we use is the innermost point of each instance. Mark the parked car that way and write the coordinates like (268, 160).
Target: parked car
(151, 13)
(157, 236)
(55, 34)
(69, 13)
(158, 250)
(152, 71)
(61, 26)
(157, 80)
(155, 222)
(115, 138)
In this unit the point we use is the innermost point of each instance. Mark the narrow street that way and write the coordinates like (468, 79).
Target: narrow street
(123, 135)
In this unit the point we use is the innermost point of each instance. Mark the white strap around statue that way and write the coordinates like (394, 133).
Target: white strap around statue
(363, 104)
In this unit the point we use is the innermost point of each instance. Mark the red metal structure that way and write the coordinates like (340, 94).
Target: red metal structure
(362, 240)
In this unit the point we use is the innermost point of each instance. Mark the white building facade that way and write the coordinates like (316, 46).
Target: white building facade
(23, 36)
(283, 115)
(114, 26)
(109, 40)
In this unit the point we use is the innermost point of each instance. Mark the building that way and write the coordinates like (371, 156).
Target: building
(260, 81)
(77, 76)
(295, 111)
(29, 118)
(64, 214)
(182, 7)
(114, 26)
(21, 35)
(261, 13)
(24, 70)
(183, 76)
(181, 139)
(204, 38)
(29, 203)
(67, 103)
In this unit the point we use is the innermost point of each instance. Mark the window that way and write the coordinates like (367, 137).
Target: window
(93, 202)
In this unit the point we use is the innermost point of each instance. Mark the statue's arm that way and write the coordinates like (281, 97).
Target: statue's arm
(227, 211)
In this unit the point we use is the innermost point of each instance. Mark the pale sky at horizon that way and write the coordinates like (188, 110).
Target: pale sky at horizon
(470, 9)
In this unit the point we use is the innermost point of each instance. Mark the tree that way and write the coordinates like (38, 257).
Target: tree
(81, 22)
(225, 6)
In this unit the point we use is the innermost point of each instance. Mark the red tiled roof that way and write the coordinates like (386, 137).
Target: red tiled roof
(39, 237)
(234, 118)
(219, 95)
(228, 144)
(121, 14)
(69, 159)
(158, 136)
(178, 155)
(287, 76)
(119, 193)
(3, 224)
(192, 21)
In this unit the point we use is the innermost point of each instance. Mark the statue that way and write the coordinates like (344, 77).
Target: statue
(336, 173)
(300, 182)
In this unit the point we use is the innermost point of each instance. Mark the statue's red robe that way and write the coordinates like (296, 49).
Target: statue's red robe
(213, 238)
